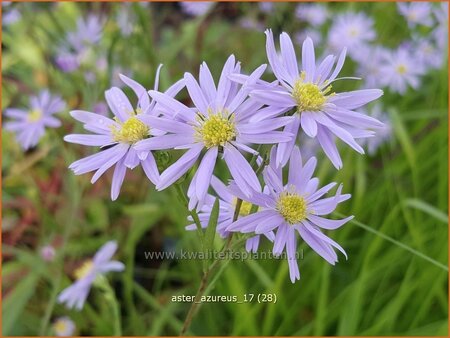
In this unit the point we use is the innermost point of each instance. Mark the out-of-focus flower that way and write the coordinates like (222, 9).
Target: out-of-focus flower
(10, 14)
(218, 122)
(370, 60)
(117, 137)
(29, 125)
(196, 8)
(116, 76)
(100, 108)
(416, 13)
(266, 6)
(125, 19)
(48, 253)
(75, 295)
(428, 54)
(383, 134)
(440, 33)
(63, 327)
(401, 69)
(314, 14)
(297, 206)
(352, 31)
(251, 24)
(301, 36)
(319, 112)
(77, 50)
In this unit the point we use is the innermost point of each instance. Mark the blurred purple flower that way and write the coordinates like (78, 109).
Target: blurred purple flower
(314, 14)
(440, 33)
(67, 61)
(370, 60)
(100, 108)
(401, 69)
(48, 253)
(297, 206)
(428, 54)
(75, 295)
(10, 14)
(416, 13)
(29, 125)
(266, 6)
(352, 31)
(63, 327)
(319, 112)
(196, 8)
(251, 24)
(117, 137)
(125, 19)
(219, 122)
(301, 36)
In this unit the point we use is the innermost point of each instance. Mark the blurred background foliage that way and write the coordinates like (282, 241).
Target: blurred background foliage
(395, 280)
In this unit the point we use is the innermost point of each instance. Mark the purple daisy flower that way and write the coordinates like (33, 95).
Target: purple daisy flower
(29, 125)
(218, 122)
(266, 6)
(319, 112)
(75, 295)
(314, 14)
(227, 206)
(297, 206)
(440, 33)
(370, 60)
(428, 54)
(196, 8)
(117, 137)
(352, 31)
(401, 69)
(416, 13)
(301, 36)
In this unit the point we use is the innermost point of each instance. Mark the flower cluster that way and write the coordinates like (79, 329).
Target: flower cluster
(229, 121)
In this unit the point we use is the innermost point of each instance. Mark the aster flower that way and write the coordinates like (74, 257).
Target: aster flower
(218, 122)
(314, 34)
(416, 13)
(266, 6)
(125, 19)
(63, 327)
(319, 112)
(314, 14)
(428, 54)
(196, 8)
(294, 207)
(440, 33)
(370, 60)
(48, 253)
(352, 31)
(76, 50)
(227, 206)
(117, 137)
(75, 295)
(401, 69)
(10, 15)
(29, 125)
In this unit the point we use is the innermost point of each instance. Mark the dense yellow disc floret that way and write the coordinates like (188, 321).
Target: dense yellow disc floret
(84, 269)
(216, 129)
(308, 95)
(34, 115)
(292, 207)
(131, 131)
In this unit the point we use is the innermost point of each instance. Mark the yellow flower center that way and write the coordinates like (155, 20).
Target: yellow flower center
(402, 69)
(308, 96)
(245, 209)
(216, 129)
(34, 115)
(353, 32)
(84, 270)
(292, 207)
(131, 131)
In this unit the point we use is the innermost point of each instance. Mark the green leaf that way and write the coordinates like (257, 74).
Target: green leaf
(427, 208)
(15, 302)
(212, 225)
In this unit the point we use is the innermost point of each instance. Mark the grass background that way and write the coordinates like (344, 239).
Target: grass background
(394, 282)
